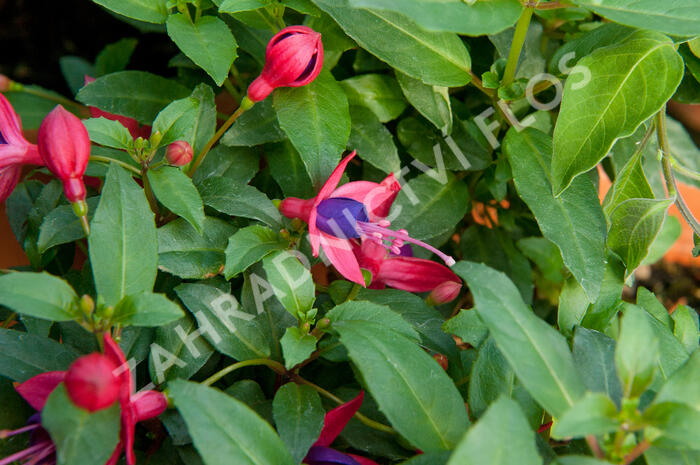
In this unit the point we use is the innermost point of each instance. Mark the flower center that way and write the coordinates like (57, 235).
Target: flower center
(346, 218)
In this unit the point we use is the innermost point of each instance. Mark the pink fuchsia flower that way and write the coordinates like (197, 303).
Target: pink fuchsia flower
(293, 58)
(339, 218)
(15, 150)
(334, 422)
(406, 272)
(135, 129)
(41, 450)
(91, 383)
(64, 145)
(135, 407)
(179, 153)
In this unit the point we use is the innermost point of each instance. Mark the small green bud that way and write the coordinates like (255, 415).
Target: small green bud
(86, 305)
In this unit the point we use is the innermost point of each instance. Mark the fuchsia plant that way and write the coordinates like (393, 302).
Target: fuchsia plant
(249, 251)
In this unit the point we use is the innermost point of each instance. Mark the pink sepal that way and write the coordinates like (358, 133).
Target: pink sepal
(414, 274)
(36, 390)
(336, 419)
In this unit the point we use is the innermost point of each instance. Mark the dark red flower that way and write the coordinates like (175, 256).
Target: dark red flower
(293, 58)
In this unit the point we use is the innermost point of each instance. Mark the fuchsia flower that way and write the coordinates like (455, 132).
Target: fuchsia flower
(293, 58)
(135, 129)
(348, 224)
(91, 383)
(134, 407)
(333, 424)
(15, 150)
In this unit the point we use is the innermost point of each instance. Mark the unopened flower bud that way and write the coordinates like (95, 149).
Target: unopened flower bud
(293, 58)
(179, 153)
(87, 305)
(64, 146)
(91, 383)
(443, 293)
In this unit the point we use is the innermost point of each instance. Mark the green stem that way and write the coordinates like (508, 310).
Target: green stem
(149, 192)
(595, 447)
(367, 421)
(275, 366)
(683, 170)
(353, 292)
(232, 90)
(8, 321)
(246, 104)
(671, 186)
(101, 159)
(517, 45)
(637, 451)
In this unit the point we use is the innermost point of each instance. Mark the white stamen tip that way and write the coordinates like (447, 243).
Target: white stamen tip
(450, 261)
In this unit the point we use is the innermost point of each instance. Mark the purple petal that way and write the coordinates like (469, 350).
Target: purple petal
(319, 455)
(338, 217)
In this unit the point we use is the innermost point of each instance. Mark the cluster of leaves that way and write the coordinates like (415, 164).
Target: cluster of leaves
(196, 273)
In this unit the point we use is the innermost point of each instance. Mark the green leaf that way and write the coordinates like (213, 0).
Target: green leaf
(316, 119)
(225, 430)
(146, 309)
(175, 190)
(630, 183)
(122, 242)
(254, 127)
(74, 70)
(636, 352)
(108, 133)
(594, 354)
(492, 377)
(26, 355)
(598, 315)
(248, 246)
(150, 11)
(235, 332)
(373, 142)
(470, 18)
(183, 252)
(436, 58)
(429, 415)
(680, 17)
(299, 418)
(80, 436)
(236, 164)
(170, 358)
(682, 385)
(594, 414)
(635, 225)
(494, 247)
(177, 121)
(668, 235)
(208, 42)
(38, 294)
(433, 102)
(234, 6)
(627, 83)
(429, 207)
(545, 254)
(580, 236)
(579, 460)
(135, 94)
(501, 436)
(291, 282)
(672, 425)
(115, 57)
(685, 327)
(378, 92)
(32, 108)
(239, 200)
(296, 347)
(659, 456)
(288, 170)
(372, 312)
(602, 36)
(467, 326)
(538, 353)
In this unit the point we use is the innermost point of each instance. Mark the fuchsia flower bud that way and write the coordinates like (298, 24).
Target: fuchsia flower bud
(293, 58)
(64, 145)
(443, 293)
(179, 153)
(91, 383)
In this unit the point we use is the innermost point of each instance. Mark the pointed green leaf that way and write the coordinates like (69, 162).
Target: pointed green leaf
(38, 294)
(299, 418)
(175, 190)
